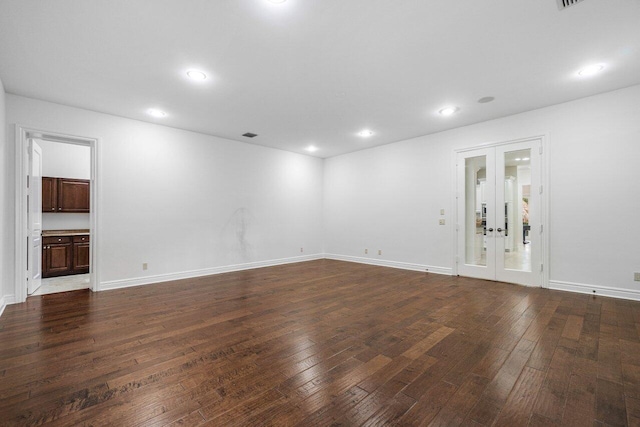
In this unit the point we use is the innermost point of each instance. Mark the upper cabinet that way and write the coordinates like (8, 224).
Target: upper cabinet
(65, 195)
(49, 194)
(73, 195)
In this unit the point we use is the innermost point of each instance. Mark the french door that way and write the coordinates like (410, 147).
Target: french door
(499, 230)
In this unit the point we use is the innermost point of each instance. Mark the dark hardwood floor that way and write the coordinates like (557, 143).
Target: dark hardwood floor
(321, 343)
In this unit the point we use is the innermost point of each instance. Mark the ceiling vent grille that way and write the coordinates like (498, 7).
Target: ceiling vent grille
(563, 4)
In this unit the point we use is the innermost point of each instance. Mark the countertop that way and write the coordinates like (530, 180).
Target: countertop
(57, 233)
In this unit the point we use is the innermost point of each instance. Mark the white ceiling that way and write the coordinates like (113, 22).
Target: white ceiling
(316, 71)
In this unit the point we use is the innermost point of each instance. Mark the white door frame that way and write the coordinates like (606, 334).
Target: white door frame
(544, 200)
(23, 134)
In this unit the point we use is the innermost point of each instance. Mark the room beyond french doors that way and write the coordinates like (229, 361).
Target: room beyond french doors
(499, 230)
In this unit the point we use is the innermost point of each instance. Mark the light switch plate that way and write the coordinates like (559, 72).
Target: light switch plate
(636, 277)
(441, 211)
(441, 222)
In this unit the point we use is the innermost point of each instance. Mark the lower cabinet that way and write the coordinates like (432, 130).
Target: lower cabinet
(65, 255)
(80, 254)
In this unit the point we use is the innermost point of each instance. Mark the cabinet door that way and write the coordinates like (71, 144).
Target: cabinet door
(81, 257)
(58, 259)
(73, 195)
(49, 195)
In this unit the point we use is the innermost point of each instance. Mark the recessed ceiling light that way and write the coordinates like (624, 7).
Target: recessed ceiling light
(518, 159)
(365, 133)
(591, 70)
(156, 113)
(196, 75)
(312, 148)
(525, 159)
(447, 111)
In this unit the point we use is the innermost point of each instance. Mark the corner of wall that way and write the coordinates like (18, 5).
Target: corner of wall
(4, 205)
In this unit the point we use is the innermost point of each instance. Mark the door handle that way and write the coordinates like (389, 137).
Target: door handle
(490, 230)
(499, 230)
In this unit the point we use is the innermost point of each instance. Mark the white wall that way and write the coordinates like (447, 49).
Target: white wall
(389, 197)
(183, 202)
(6, 244)
(62, 160)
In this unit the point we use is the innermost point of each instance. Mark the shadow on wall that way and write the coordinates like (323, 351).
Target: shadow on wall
(236, 235)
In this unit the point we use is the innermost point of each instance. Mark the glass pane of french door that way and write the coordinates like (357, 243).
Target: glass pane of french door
(476, 210)
(517, 192)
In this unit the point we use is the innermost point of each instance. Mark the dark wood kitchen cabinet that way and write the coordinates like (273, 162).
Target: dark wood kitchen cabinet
(80, 254)
(49, 194)
(65, 195)
(65, 255)
(57, 256)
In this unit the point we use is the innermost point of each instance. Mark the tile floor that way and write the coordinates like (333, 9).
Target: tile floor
(63, 284)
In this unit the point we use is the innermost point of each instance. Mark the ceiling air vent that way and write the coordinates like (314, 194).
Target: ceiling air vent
(250, 135)
(563, 4)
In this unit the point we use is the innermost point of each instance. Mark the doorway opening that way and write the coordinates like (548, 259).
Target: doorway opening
(501, 212)
(56, 213)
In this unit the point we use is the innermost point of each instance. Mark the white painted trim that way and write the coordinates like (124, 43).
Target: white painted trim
(139, 281)
(545, 200)
(21, 140)
(596, 290)
(394, 264)
(3, 305)
(453, 209)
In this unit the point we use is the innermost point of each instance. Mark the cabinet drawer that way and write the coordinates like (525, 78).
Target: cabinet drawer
(80, 239)
(54, 240)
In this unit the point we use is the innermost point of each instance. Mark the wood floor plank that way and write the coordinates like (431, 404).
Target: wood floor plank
(517, 409)
(321, 343)
(581, 394)
(610, 404)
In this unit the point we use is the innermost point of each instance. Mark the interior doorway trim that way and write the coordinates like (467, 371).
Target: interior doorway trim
(544, 199)
(23, 134)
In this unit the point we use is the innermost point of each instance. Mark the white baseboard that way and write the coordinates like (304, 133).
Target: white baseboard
(394, 264)
(605, 291)
(5, 301)
(127, 283)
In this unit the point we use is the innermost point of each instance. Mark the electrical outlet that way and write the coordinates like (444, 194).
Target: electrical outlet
(636, 277)
(379, 251)
(144, 266)
(441, 211)
(301, 249)
(366, 251)
(441, 222)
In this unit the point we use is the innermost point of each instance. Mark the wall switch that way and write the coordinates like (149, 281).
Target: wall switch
(441, 222)
(379, 251)
(144, 266)
(366, 251)
(441, 211)
(636, 277)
